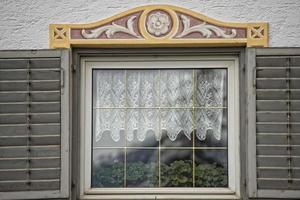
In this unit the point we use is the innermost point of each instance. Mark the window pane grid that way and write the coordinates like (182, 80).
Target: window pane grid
(193, 108)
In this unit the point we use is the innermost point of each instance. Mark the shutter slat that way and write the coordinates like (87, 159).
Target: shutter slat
(275, 116)
(35, 151)
(278, 184)
(277, 72)
(36, 174)
(32, 70)
(20, 107)
(277, 105)
(37, 74)
(277, 94)
(20, 96)
(277, 83)
(35, 140)
(272, 61)
(295, 61)
(36, 129)
(16, 63)
(277, 128)
(277, 150)
(51, 184)
(277, 139)
(277, 173)
(13, 63)
(34, 85)
(277, 160)
(13, 118)
(45, 63)
(14, 186)
(50, 162)
(33, 154)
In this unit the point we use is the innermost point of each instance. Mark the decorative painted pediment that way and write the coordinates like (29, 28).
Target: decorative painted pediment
(159, 26)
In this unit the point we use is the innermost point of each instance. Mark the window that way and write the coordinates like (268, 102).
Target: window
(156, 125)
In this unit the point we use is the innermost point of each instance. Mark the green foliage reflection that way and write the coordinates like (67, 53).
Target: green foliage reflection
(179, 173)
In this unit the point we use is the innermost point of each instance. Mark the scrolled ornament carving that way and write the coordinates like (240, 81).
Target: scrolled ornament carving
(158, 23)
(110, 30)
(205, 29)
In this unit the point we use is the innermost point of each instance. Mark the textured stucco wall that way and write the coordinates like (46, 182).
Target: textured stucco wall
(24, 23)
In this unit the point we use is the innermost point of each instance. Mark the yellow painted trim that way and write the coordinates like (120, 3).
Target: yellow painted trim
(257, 33)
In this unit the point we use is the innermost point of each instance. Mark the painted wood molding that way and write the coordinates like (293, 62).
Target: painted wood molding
(158, 26)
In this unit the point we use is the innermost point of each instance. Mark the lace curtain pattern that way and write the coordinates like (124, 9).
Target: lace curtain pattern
(141, 102)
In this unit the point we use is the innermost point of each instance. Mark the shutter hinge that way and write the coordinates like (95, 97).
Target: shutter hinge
(73, 68)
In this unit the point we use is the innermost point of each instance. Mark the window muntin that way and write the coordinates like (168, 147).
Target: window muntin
(228, 63)
(153, 125)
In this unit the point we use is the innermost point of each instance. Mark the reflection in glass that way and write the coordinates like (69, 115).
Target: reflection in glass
(159, 101)
(107, 141)
(108, 168)
(181, 140)
(142, 168)
(153, 127)
(211, 126)
(211, 87)
(176, 168)
(109, 88)
(211, 168)
(109, 121)
(142, 88)
(142, 129)
(176, 121)
(176, 88)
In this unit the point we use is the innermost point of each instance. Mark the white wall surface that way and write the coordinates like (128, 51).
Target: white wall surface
(24, 23)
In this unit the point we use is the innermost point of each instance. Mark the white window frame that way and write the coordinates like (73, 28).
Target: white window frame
(229, 62)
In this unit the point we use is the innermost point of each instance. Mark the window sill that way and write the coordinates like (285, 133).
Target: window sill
(160, 193)
(160, 196)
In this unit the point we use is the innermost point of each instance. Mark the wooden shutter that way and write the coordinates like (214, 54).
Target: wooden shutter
(274, 122)
(34, 124)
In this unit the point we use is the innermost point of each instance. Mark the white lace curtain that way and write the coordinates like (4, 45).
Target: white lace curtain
(141, 102)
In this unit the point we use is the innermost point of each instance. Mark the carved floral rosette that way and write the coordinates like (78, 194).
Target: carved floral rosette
(159, 25)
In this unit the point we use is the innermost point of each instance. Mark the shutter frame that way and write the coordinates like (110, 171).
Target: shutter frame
(64, 188)
(251, 144)
(251, 56)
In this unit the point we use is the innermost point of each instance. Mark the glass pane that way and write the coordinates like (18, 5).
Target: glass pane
(211, 168)
(211, 127)
(109, 127)
(176, 127)
(109, 88)
(142, 168)
(107, 141)
(211, 87)
(108, 168)
(176, 88)
(176, 168)
(142, 88)
(142, 127)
